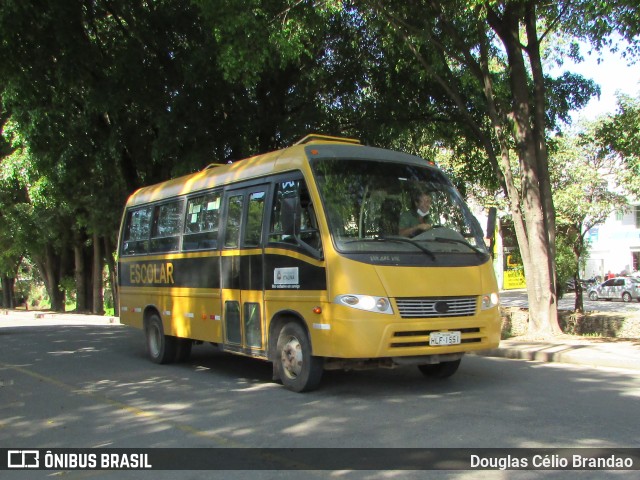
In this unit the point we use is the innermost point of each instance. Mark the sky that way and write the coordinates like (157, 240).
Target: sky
(613, 75)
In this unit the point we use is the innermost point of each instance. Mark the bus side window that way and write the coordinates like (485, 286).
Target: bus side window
(167, 224)
(201, 222)
(234, 219)
(253, 229)
(305, 233)
(309, 232)
(136, 233)
(281, 228)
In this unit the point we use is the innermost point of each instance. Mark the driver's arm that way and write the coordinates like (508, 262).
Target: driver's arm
(414, 230)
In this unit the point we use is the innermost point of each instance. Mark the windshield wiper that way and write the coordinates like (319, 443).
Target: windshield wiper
(461, 242)
(382, 238)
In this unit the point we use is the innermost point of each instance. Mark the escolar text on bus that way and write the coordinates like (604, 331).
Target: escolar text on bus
(159, 272)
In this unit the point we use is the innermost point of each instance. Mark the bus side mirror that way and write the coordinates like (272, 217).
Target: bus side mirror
(491, 223)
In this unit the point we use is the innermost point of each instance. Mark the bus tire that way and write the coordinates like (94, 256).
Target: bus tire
(297, 369)
(161, 348)
(440, 370)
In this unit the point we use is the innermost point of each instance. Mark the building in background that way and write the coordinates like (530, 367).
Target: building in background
(615, 245)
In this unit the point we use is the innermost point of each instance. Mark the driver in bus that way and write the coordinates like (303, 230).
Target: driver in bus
(414, 222)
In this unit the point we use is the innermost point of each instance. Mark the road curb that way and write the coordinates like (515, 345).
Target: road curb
(569, 354)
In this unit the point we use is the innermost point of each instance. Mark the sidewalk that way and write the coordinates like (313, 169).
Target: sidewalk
(594, 352)
(35, 318)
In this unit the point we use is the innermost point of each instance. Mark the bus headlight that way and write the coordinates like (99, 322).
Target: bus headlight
(490, 300)
(366, 302)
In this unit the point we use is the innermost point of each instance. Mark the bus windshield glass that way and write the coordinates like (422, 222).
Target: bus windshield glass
(377, 206)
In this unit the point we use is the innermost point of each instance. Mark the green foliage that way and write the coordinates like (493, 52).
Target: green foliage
(567, 93)
(590, 181)
(620, 133)
(567, 264)
(99, 98)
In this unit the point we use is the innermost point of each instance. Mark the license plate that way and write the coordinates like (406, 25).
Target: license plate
(444, 338)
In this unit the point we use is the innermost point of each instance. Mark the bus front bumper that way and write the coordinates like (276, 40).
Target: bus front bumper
(362, 335)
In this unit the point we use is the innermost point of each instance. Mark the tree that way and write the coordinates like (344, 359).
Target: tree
(483, 62)
(299, 67)
(589, 183)
(105, 98)
(36, 223)
(110, 95)
(9, 255)
(11, 248)
(620, 133)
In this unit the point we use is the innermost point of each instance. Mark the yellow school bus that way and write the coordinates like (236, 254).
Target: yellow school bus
(318, 256)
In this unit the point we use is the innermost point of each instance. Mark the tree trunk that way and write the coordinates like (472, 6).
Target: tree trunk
(98, 303)
(538, 259)
(579, 305)
(79, 275)
(50, 270)
(578, 250)
(111, 268)
(8, 293)
(539, 129)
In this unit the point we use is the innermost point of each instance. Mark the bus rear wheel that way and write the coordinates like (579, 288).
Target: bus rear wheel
(297, 369)
(161, 348)
(440, 370)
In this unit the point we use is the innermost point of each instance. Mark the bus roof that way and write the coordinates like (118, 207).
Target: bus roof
(287, 159)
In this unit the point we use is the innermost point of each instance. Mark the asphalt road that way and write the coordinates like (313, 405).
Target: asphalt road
(92, 386)
(518, 298)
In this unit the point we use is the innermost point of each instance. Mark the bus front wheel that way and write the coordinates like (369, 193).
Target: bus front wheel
(440, 370)
(297, 369)
(160, 347)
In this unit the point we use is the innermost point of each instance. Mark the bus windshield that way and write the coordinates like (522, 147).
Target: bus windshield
(393, 207)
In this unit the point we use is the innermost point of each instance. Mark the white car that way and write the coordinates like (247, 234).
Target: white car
(625, 288)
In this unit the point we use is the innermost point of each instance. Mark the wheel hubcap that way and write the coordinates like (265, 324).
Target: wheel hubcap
(291, 357)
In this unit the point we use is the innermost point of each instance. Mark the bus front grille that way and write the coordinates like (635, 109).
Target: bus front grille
(429, 307)
(420, 338)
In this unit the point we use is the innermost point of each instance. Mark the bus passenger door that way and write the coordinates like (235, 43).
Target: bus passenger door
(242, 270)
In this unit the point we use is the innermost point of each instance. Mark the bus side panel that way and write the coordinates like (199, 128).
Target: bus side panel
(185, 313)
(297, 283)
(302, 304)
(131, 307)
(182, 289)
(195, 314)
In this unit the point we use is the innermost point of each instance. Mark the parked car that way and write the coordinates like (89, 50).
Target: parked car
(625, 288)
